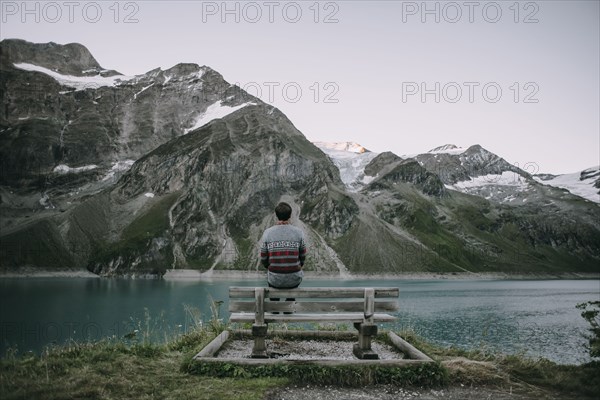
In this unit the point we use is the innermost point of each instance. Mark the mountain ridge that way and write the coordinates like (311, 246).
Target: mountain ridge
(503, 172)
(181, 170)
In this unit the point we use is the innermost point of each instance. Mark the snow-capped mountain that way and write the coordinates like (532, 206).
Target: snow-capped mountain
(351, 147)
(178, 168)
(66, 114)
(585, 183)
(80, 82)
(472, 170)
(351, 159)
(505, 187)
(448, 149)
(478, 171)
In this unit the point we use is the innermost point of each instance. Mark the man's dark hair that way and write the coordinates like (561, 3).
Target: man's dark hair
(283, 211)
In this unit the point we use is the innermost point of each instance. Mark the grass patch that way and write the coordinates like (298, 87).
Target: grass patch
(136, 240)
(153, 222)
(126, 368)
(121, 369)
(37, 244)
(570, 380)
(115, 371)
(432, 374)
(538, 376)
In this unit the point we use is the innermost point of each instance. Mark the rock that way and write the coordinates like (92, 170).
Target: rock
(79, 160)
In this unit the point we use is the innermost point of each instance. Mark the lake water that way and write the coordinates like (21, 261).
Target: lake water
(536, 317)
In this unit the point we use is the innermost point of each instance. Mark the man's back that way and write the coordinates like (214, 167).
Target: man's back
(283, 249)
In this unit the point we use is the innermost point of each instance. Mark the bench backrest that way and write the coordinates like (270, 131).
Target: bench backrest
(314, 300)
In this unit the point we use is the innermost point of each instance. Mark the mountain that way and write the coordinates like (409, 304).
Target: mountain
(478, 212)
(178, 168)
(130, 174)
(351, 147)
(585, 183)
(351, 159)
(72, 59)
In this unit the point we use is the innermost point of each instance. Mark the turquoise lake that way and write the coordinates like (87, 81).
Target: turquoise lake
(535, 317)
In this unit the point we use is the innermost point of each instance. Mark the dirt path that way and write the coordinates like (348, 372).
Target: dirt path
(387, 392)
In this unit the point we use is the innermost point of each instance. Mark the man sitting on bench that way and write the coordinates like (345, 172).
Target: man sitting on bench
(282, 251)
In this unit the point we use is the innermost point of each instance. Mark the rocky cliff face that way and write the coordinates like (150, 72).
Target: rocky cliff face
(215, 189)
(454, 165)
(469, 210)
(70, 59)
(180, 169)
(82, 119)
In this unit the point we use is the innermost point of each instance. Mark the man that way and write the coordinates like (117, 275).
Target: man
(282, 251)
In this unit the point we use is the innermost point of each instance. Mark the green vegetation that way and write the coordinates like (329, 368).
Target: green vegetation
(133, 367)
(39, 241)
(591, 313)
(137, 237)
(108, 370)
(153, 222)
(537, 377)
(356, 376)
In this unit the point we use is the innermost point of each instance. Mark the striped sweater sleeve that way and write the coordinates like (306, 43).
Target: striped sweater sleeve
(264, 253)
(302, 251)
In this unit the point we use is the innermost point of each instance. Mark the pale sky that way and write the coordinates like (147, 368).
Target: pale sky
(521, 79)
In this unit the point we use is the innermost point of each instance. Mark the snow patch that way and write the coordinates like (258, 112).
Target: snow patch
(45, 202)
(77, 82)
(351, 147)
(350, 159)
(136, 95)
(65, 169)
(448, 149)
(579, 183)
(507, 178)
(197, 74)
(118, 167)
(215, 111)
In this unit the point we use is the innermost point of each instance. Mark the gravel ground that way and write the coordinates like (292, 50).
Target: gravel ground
(342, 350)
(306, 349)
(387, 392)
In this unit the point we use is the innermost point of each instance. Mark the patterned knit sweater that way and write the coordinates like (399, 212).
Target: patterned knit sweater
(282, 249)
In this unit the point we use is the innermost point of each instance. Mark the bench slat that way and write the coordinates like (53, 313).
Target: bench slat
(236, 292)
(338, 317)
(259, 306)
(313, 306)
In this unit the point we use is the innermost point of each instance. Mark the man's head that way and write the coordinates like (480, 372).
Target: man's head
(283, 211)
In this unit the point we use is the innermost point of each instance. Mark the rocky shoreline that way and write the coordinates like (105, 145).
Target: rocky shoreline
(37, 273)
(189, 274)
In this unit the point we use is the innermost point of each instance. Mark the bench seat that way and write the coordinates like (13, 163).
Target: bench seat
(337, 317)
(363, 307)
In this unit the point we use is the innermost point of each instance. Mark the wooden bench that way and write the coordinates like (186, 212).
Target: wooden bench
(361, 306)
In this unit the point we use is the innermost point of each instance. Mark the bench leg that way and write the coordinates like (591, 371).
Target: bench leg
(362, 350)
(259, 350)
